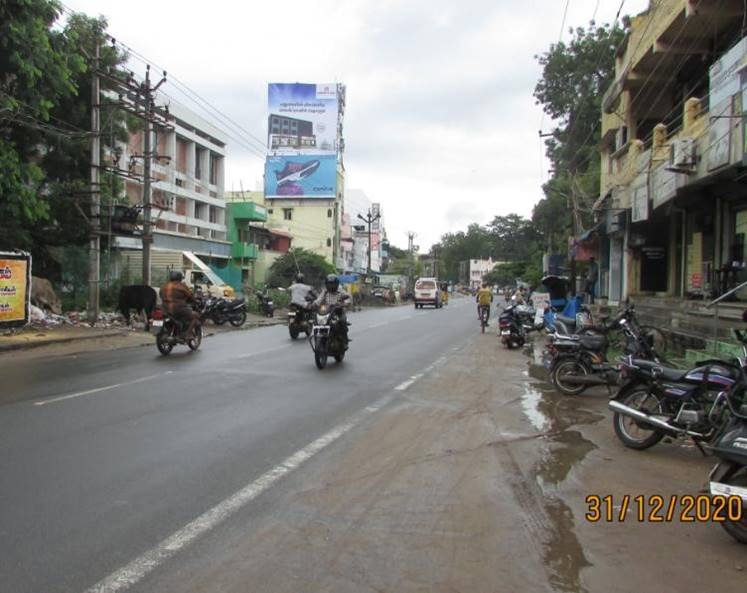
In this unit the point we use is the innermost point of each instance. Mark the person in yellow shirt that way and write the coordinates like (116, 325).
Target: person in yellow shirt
(484, 298)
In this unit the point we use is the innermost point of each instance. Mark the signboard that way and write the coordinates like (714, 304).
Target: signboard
(303, 118)
(301, 176)
(723, 79)
(375, 211)
(15, 288)
(664, 185)
(640, 203)
(719, 135)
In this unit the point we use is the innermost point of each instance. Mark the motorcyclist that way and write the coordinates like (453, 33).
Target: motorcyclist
(483, 298)
(299, 291)
(176, 298)
(333, 296)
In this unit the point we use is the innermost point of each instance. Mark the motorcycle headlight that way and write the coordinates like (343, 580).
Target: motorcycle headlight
(323, 309)
(322, 319)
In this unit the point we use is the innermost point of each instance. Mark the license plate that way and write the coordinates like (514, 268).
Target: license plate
(506, 332)
(291, 314)
(728, 490)
(157, 323)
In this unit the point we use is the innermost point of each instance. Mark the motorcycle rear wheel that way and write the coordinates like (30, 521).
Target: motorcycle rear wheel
(239, 320)
(163, 343)
(632, 433)
(293, 331)
(340, 356)
(568, 368)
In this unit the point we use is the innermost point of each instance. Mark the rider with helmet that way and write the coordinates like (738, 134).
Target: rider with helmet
(333, 296)
(176, 298)
(299, 291)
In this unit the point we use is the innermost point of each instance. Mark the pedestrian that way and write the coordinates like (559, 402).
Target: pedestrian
(591, 279)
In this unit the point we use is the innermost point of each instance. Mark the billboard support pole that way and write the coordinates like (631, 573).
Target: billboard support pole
(369, 219)
(94, 248)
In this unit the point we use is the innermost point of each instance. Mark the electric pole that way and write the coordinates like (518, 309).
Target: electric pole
(148, 155)
(410, 239)
(94, 248)
(369, 219)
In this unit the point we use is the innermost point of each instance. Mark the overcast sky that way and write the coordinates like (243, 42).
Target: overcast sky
(440, 127)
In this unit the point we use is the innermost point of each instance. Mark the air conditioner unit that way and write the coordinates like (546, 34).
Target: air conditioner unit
(682, 154)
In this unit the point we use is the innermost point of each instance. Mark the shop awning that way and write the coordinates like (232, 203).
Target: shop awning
(586, 235)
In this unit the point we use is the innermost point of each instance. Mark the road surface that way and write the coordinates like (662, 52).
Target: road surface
(428, 461)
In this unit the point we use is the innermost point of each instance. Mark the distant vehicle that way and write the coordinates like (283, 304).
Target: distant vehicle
(198, 280)
(427, 293)
(385, 293)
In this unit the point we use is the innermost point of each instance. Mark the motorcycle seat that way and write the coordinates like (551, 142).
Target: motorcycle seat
(593, 342)
(663, 372)
(238, 301)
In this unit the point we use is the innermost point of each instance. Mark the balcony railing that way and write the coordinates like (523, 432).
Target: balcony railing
(244, 251)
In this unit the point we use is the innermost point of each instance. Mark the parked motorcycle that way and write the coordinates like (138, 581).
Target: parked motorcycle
(171, 331)
(655, 401)
(515, 322)
(579, 361)
(266, 305)
(728, 478)
(220, 311)
(327, 336)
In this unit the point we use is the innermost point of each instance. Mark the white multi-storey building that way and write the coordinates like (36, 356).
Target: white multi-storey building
(189, 210)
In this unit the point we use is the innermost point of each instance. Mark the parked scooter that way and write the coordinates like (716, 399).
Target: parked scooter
(728, 479)
(266, 304)
(515, 322)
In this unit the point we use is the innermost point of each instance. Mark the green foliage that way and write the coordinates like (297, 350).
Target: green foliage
(575, 76)
(45, 78)
(313, 266)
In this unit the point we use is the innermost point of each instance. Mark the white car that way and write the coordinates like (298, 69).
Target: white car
(427, 293)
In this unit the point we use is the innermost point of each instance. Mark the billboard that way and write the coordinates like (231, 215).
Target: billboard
(15, 288)
(310, 176)
(303, 118)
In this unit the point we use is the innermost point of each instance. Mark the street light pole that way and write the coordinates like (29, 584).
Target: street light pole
(369, 219)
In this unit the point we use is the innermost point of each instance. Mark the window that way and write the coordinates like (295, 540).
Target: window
(329, 242)
(270, 211)
(329, 212)
(287, 213)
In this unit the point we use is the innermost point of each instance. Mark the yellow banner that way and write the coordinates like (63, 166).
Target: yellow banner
(14, 290)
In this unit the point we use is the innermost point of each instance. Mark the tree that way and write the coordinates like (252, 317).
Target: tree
(575, 76)
(314, 268)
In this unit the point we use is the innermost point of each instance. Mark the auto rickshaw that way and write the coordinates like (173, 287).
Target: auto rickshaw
(444, 288)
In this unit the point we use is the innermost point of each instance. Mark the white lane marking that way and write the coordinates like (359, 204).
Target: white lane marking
(52, 400)
(250, 354)
(378, 324)
(135, 571)
(405, 384)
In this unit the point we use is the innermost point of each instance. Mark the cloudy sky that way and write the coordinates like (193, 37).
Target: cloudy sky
(441, 126)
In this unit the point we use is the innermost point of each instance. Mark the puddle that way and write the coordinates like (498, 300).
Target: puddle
(563, 554)
(530, 402)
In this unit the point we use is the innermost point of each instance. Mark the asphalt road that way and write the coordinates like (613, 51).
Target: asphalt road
(107, 454)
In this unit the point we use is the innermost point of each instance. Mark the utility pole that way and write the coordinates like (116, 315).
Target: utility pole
(148, 155)
(369, 219)
(94, 248)
(410, 239)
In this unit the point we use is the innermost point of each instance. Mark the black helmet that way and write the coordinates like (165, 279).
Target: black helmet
(332, 283)
(176, 276)
(299, 278)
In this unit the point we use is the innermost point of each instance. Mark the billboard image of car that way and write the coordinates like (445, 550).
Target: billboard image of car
(302, 118)
(311, 176)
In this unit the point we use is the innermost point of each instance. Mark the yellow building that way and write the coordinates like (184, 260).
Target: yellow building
(673, 204)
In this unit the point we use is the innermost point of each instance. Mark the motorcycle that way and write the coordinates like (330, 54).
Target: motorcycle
(300, 319)
(171, 331)
(266, 305)
(579, 361)
(327, 338)
(655, 401)
(220, 311)
(728, 478)
(515, 322)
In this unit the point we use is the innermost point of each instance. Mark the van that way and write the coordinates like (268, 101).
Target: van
(427, 293)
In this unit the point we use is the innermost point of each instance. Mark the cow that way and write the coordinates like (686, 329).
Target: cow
(43, 295)
(140, 298)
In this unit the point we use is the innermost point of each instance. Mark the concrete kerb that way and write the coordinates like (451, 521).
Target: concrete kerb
(51, 342)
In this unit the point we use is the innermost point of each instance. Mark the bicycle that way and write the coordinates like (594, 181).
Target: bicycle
(484, 314)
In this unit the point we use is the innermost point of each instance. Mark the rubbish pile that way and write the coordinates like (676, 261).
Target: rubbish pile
(39, 318)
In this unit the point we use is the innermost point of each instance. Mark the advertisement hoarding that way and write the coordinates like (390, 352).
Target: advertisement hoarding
(301, 176)
(303, 118)
(15, 288)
